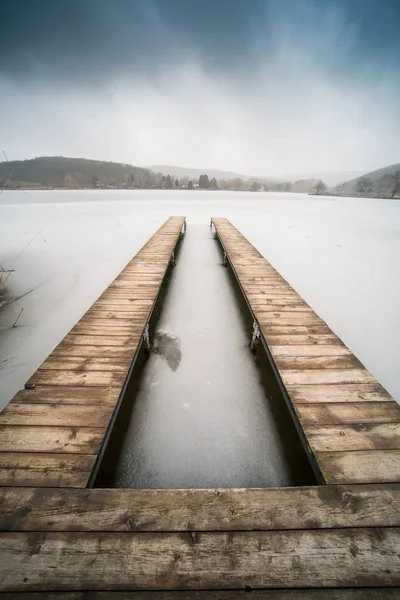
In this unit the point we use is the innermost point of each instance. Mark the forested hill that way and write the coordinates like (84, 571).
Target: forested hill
(72, 173)
(385, 182)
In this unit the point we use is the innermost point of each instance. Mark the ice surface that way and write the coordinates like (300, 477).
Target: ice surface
(340, 254)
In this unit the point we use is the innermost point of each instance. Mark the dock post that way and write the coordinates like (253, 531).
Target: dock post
(255, 336)
(146, 337)
(183, 230)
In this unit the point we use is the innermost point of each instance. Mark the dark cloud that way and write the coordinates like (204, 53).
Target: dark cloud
(103, 40)
(258, 86)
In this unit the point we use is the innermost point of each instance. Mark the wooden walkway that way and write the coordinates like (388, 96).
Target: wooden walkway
(326, 542)
(52, 431)
(349, 421)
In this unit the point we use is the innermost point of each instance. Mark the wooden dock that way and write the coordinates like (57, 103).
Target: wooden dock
(61, 540)
(347, 420)
(51, 433)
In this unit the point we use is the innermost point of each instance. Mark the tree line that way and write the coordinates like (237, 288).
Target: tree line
(387, 185)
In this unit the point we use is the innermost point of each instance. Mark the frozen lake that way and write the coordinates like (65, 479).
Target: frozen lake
(340, 254)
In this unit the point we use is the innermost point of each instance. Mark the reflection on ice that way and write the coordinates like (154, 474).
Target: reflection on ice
(168, 347)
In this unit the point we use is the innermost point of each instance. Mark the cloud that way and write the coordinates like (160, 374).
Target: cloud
(262, 87)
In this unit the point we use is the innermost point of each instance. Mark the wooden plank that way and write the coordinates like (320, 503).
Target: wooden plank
(317, 362)
(99, 312)
(316, 507)
(310, 350)
(134, 331)
(288, 318)
(67, 395)
(116, 304)
(137, 294)
(64, 415)
(367, 392)
(360, 467)
(309, 332)
(76, 363)
(91, 378)
(71, 350)
(127, 341)
(335, 413)
(309, 377)
(360, 436)
(132, 284)
(45, 470)
(134, 324)
(211, 560)
(278, 339)
(292, 594)
(266, 311)
(273, 303)
(30, 438)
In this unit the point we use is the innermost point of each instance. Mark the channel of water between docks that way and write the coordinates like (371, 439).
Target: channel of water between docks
(203, 411)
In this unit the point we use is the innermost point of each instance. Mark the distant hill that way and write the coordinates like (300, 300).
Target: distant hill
(377, 178)
(57, 171)
(195, 173)
(330, 178)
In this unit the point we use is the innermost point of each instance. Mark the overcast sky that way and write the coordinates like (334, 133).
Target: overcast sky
(261, 87)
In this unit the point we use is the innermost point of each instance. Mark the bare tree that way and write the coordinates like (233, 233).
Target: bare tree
(364, 186)
(320, 187)
(255, 186)
(339, 188)
(4, 182)
(393, 181)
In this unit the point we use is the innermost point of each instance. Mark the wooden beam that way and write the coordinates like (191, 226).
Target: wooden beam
(212, 560)
(123, 510)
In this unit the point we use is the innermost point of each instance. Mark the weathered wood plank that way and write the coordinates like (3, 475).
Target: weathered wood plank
(117, 314)
(120, 294)
(360, 392)
(360, 436)
(284, 339)
(360, 467)
(71, 350)
(268, 311)
(292, 594)
(276, 329)
(310, 350)
(122, 304)
(211, 560)
(64, 415)
(30, 438)
(134, 331)
(127, 341)
(45, 470)
(120, 332)
(288, 318)
(317, 507)
(309, 377)
(91, 378)
(76, 363)
(67, 395)
(335, 413)
(133, 324)
(317, 362)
